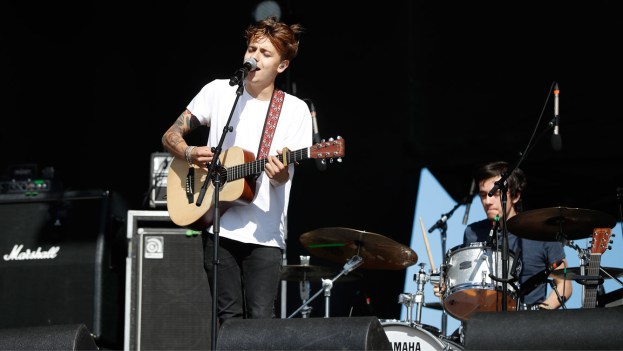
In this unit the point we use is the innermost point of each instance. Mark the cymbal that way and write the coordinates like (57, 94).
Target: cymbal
(339, 245)
(298, 273)
(558, 223)
(573, 273)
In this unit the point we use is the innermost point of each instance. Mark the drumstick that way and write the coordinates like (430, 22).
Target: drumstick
(430, 257)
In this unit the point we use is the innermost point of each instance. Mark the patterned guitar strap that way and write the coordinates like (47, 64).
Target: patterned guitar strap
(272, 117)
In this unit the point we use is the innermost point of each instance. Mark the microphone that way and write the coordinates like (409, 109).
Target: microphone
(556, 139)
(472, 192)
(320, 163)
(440, 223)
(249, 65)
(537, 279)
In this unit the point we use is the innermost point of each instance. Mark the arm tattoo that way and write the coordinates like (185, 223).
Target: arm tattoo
(184, 124)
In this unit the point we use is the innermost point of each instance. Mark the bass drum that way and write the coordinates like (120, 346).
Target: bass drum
(405, 337)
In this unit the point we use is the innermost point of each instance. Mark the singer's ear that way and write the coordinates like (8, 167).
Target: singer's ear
(283, 65)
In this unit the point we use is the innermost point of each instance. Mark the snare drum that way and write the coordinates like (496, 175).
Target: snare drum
(405, 337)
(469, 288)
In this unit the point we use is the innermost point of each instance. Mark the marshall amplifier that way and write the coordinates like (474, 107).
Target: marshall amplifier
(55, 264)
(160, 164)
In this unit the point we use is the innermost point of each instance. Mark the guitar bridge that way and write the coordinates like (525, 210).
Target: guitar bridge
(190, 185)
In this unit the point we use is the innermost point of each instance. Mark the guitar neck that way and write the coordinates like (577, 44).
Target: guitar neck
(257, 166)
(590, 290)
(599, 244)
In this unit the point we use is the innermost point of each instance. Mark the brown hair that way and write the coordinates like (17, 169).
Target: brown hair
(516, 182)
(284, 37)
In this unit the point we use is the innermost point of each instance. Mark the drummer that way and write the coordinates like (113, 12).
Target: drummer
(535, 256)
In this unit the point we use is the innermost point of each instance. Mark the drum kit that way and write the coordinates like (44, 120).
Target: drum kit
(468, 271)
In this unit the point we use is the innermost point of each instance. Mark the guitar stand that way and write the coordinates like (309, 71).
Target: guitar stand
(327, 285)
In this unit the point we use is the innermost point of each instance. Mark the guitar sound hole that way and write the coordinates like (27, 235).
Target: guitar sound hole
(222, 173)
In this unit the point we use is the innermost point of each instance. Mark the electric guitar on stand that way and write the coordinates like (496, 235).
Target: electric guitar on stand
(599, 243)
(236, 172)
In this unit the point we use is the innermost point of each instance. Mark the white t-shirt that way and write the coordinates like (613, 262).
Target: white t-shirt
(263, 221)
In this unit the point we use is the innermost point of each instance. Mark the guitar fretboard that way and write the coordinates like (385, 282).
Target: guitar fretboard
(257, 166)
(590, 290)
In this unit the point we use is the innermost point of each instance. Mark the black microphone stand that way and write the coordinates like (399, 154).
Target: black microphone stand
(214, 176)
(443, 228)
(501, 185)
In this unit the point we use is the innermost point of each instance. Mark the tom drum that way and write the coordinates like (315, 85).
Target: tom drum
(469, 287)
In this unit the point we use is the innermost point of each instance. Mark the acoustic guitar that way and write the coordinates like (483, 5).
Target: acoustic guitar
(236, 174)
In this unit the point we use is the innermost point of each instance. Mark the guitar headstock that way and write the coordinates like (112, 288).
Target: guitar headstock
(601, 240)
(332, 148)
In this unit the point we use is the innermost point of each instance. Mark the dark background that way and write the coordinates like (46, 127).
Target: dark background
(88, 88)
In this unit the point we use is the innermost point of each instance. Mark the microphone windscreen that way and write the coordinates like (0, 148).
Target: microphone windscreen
(556, 142)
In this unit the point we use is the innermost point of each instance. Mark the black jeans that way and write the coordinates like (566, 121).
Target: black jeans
(248, 277)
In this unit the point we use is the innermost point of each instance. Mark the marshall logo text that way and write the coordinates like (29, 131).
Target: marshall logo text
(17, 254)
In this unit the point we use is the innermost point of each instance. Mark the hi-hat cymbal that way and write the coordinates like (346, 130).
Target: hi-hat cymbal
(573, 273)
(558, 223)
(298, 273)
(341, 244)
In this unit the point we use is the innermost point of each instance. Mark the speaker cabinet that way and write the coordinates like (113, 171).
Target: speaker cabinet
(55, 254)
(55, 337)
(166, 286)
(572, 329)
(340, 333)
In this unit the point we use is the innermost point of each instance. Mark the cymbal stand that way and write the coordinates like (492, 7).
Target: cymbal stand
(304, 289)
(327, 284)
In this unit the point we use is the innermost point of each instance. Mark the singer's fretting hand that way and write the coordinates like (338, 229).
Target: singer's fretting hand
(276, 170)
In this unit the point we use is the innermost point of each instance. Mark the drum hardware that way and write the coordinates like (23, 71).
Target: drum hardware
(562, 300)
(417, 299)
(327, 285)
(434, 305)
(305, 272)
(377, 251)
(295, 273)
